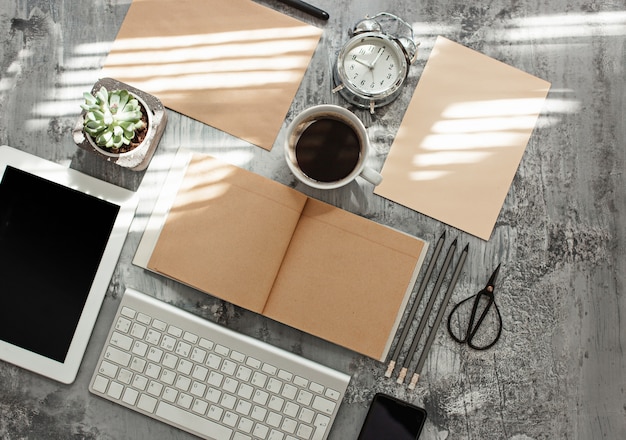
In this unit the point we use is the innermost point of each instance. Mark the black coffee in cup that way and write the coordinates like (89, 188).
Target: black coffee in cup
(328, 150)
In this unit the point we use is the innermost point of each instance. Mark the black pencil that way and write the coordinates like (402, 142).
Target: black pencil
(427, 311)
(440, 312)
(305, 7)
(418, 299)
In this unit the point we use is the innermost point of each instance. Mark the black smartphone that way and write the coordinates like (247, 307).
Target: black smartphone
(392, 418)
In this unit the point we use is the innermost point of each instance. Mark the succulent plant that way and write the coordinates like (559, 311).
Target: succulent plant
(112, 118)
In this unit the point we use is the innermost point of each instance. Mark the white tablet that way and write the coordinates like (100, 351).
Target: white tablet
(61, 234)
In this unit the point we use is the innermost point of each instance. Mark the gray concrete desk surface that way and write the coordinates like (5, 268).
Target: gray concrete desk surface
(559, 371)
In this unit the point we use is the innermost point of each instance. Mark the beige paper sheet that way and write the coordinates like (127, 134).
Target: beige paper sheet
(235, 65)
(269, 248)
(462, 138)
(353, 278)
(227, 232)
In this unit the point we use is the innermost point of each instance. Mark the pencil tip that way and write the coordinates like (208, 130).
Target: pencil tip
(454, 242)
(466, 247)
(443, 235)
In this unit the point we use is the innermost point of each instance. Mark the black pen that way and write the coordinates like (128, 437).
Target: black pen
(305, 7)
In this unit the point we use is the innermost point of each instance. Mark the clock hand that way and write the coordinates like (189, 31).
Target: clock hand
(380, 52)
(360, 61)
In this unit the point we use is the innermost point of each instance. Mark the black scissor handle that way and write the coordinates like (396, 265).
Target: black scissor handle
(472, 328)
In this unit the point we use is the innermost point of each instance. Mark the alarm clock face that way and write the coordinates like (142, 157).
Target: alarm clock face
(372, 65)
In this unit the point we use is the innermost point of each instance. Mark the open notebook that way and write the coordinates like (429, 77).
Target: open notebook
(273, 250)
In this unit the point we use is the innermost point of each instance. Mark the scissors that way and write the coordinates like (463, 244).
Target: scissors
(472, 332)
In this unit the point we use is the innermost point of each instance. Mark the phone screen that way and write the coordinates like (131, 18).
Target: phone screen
(392, 418)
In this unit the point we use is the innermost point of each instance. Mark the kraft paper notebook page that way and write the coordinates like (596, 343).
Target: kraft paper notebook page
(462, 138)
(271, 249)
(219, 62)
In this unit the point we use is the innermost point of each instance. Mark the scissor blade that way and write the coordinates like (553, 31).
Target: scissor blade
(494, 275)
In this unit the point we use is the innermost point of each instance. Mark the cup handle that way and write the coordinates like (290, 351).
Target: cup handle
(371, 176)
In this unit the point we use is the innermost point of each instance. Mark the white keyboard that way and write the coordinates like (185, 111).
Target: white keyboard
(211, 381)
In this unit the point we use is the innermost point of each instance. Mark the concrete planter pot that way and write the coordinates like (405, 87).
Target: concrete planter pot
(138, 158)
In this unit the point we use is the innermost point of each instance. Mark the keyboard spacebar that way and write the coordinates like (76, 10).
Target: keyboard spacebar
(187, 420)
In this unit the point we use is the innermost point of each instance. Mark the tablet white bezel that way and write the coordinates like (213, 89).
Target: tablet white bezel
(66, 371)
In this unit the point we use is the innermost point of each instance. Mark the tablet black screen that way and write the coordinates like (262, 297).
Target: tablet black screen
(52, 239)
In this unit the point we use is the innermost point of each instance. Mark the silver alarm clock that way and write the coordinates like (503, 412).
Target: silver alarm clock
(373, 65)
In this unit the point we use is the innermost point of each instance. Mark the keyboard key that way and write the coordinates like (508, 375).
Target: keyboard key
(323, 405)
(200, 373)
(138, 365)
(258, 413)
(185, 400)
(243, 407)
(183, 349)
(170, 360)
(184, 367)
(155, 354)
(159, 325)
(274, 386)
(140, 348)
(155, 388)
(289, 391)
(138, 331)
(115, 390)
(153, 337)
(321, 425)
(245, 424)
(128, 312)
(285, 375)
(215, 412)
(254, 363)
(221, 350)
(316, 387)
(140, 382)
(291, 409)
(213, 361)
(198, 355)
(260, 431)
(108, 369)
(198, 389)
(205, 343)
(122, 341)
(301, 381)
(275, 435)
(190, 337)
(130, 396)
(237, 357)
(168, 343)
(100, 384)
(332, 394)
(245, 391)
(117, 356)
(304, 398)
(123, 324)
(174, 331)
(200, 407)
(230, 419)
(192, 421)
(147, 403)
(269, 369)
(143, 318)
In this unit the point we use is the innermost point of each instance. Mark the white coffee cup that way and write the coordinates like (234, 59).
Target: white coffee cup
(333, 150)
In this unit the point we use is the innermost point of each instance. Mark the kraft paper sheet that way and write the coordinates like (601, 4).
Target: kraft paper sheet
(235, 65)
(462, 138)
(271, 249)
